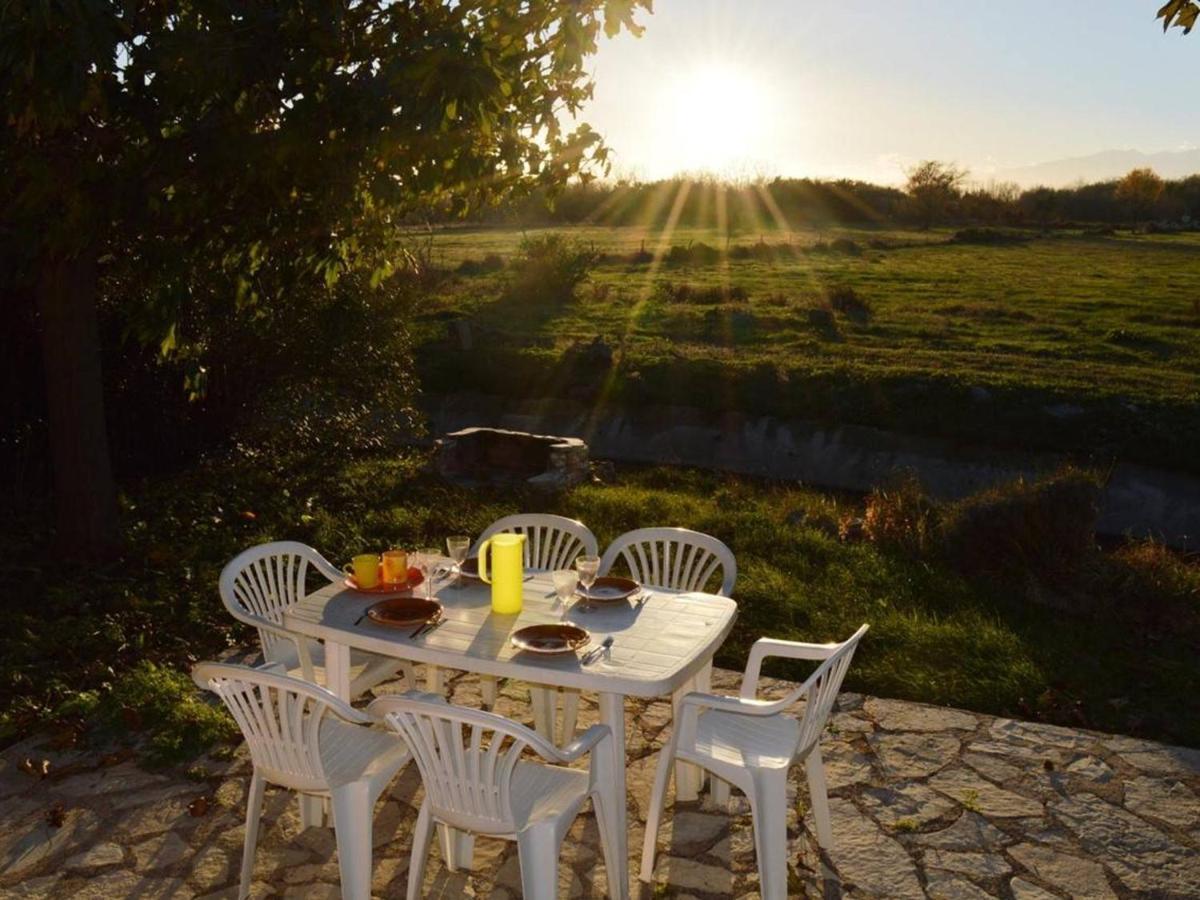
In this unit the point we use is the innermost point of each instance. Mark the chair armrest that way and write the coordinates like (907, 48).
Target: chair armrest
(585, 743)
(740, 705)
(767, 647)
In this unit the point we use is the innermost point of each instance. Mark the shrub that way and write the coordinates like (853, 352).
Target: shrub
(548, 268)
(1152, 584)
(492, 262)
(989, 236)
(1042, 531)
(845, 246)
(901, 517)
(822, 319)
(845, 300)
(694, 254)
(683, 292)
(164, 704)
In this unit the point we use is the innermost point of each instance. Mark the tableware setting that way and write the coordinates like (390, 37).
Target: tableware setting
(610, 589)
(385, 573)
(404, 612)
(550, 639)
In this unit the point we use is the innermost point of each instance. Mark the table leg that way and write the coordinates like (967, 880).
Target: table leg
(689, 779)
(337, 670)
(612, 714)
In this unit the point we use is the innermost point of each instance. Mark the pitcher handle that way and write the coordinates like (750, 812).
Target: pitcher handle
(483, 572)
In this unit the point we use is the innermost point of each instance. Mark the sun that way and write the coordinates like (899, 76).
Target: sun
(714, 119)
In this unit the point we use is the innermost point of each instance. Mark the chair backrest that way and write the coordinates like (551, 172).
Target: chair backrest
(821, 689)
(466, 758)
(259, 584)
(673, 558)
(279, 716)
(551, 542)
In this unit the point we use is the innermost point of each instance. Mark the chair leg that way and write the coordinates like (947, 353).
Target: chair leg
(689, 779)
(658, 799)
(420, 852)
(719, 789)
(570, 715)
(605, 820)
(458, 848)
(254, 803)
(312, 811)
(433, 679)
(489, 688)
(769, 811)
(409, 671)
(819, 797)
(352, 828)
(537, 848)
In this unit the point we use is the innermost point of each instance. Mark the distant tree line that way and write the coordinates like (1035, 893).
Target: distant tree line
(935, 193)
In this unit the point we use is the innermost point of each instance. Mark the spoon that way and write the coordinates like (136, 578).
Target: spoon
(604, 645)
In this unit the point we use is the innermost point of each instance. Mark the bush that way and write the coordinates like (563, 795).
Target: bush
(161, 702)
(549, 268)
(822, 319)
(845, 246)
(901, 517)
(492, 262)
(845, 300)
(1042, 531)
(694, 254)
(1152, 584)
(989, 236)
(683, 292)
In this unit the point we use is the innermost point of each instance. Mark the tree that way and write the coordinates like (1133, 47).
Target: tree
(175, 158)
(932, 187)
(1180, 14)
(1140, 190)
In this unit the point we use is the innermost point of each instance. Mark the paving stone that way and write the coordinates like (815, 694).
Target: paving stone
(913, 755)
(950, 886)
(976, 865)
(909, 802)
(689, 875)
(970, 831)
(1038, 734)
(96, 856)
(211, 868)
(980, 795)
(992, 767)
(1091, 768)
(1139, 854)
(36, 842)
(313, 872)
(313, 892)
(1027, 890)
(140, 823)
(259, 890)
(847, 724)
(844, 765)
(1155, 759)
(1078, 877)
(34, 888)
(897, 715)
(155, 796)
(868, 858)
(1167, 799)
(688, 833)
(160, 852)
(123, 883)
(1027, 757)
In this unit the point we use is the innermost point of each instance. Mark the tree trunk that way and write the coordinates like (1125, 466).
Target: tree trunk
(84, 491)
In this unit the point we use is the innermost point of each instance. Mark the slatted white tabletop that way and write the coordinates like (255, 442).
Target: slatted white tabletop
(657, 647)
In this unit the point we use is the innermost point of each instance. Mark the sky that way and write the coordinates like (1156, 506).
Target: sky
(863, 90)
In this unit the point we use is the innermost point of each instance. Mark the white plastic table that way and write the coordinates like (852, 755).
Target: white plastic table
(657, 647)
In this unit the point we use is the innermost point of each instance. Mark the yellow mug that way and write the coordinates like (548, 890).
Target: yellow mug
(395, 567)
(365, 569)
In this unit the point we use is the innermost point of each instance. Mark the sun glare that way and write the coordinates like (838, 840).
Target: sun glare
(714, 119)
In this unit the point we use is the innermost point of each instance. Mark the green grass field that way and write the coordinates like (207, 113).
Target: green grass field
(971, 341)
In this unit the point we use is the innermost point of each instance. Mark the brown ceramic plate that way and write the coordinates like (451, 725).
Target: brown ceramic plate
(610, 589)
(550, 638)
(403, 612)
(414, 578)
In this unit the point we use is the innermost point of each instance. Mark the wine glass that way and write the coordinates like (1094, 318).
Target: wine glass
(565, 582)
(587, 567)
(457, 545)
(427, 560)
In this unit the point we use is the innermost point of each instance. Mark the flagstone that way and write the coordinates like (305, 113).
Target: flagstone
(941, 885)
(979, 795)
(1078, 877)
(913, 755)
(970, 831)
(868, 858)
(897, 715)
(1167, 799)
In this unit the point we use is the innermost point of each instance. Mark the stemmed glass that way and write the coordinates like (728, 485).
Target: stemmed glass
(565, 582)
(427, 559)
(587, 567)
(457, 545)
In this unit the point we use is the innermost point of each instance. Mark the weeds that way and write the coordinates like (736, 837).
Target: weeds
(845, 300)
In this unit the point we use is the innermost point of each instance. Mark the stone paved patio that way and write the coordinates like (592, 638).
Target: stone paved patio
(927, 802)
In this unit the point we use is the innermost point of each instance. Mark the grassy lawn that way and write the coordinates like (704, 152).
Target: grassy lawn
(936, 636)
(963, 340)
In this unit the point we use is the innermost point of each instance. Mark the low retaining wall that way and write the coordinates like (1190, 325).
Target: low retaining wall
(1138, 499)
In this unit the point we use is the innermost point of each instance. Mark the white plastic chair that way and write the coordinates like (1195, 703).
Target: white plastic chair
(551, 542)
(475, 781)
(752, 744)
(304, 738)
(682, 560)
(260, 584)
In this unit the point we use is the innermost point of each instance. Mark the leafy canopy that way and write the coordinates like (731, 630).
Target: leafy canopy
(217, 153)
(1180, 13)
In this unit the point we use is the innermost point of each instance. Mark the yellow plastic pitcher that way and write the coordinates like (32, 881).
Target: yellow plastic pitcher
(508, 571)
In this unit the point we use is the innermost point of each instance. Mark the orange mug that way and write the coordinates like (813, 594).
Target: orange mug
(395, 567)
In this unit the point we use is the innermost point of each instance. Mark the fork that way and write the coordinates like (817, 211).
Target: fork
(426, 627)
(597, 651)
